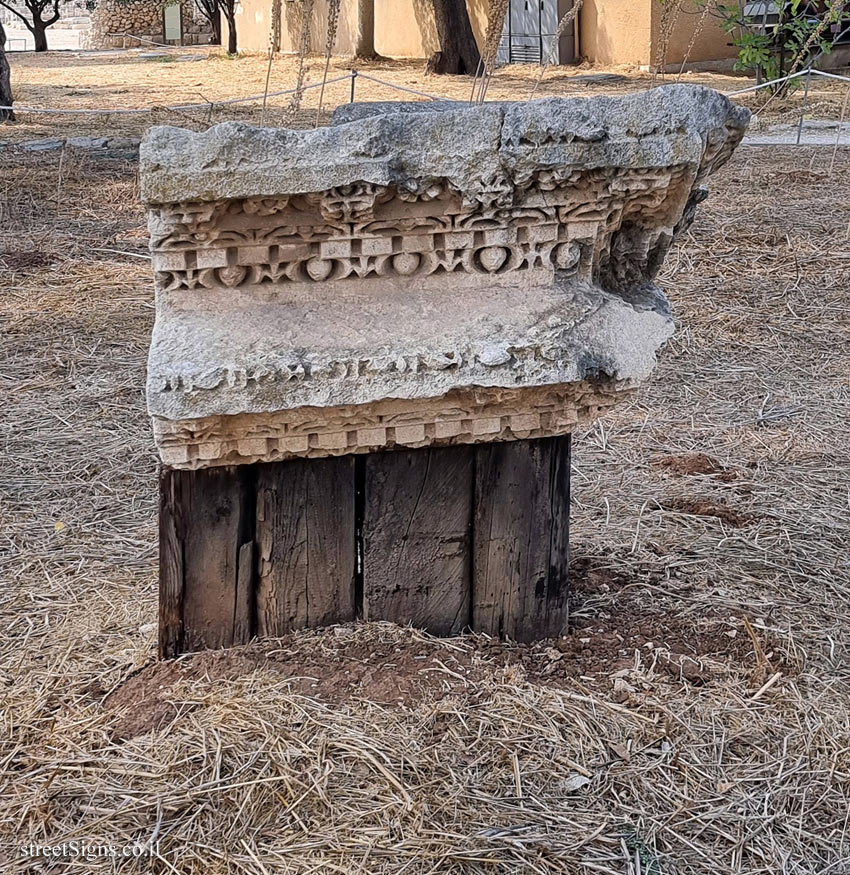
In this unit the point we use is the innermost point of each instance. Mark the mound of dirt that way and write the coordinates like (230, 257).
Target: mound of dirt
(701, 506)
(695, 463)
(337, 666)
(612, 622)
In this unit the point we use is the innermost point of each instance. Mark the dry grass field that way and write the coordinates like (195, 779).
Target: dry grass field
(103, 81)
(696, 720)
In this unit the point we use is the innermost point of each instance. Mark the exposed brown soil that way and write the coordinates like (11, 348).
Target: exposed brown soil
(380, 671)
(695, 463)
(700, 506)
(604, 640)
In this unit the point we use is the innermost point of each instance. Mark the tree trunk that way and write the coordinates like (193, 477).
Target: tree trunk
(231, 34)
(212, 12)
(215, 21)
(5, 81)
(365, 47)
(458, 52)
(39, 34)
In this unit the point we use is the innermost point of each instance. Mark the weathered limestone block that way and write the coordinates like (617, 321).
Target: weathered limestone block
(416, 274)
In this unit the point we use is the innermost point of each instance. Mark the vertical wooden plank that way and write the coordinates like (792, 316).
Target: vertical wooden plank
(558, 584)
(417, 536)
(305, 544)
(520, 539)
(171, 532)
(205, 520)
(219, 522)
(243, 610)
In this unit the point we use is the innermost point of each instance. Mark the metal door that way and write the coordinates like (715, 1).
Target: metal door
(530, 27)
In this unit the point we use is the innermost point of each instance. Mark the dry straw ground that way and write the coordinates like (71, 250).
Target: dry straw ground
(696, 721)
(98, 81)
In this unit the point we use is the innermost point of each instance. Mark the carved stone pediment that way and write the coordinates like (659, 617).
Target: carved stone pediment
(416, 274)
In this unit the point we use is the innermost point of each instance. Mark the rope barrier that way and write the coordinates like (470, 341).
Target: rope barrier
(216, 103)
(797, 75)
(270, 94)
(141, 39)
(50, 111)
(363, 75)
(354, 74)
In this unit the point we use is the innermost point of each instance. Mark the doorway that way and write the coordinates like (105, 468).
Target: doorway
(530, 27)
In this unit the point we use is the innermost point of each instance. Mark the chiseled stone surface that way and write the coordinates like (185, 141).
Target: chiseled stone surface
(416, 274)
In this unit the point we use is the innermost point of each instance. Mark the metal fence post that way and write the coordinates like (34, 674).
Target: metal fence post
(353, 80)
(805, 105)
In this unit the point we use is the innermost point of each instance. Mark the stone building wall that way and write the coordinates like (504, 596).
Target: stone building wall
(611, 32)
(144, 19)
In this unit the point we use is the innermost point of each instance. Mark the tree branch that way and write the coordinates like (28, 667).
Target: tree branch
(56, 14)
(36, 7)
(11, 8)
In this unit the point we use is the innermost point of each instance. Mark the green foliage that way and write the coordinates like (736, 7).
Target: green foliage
(771, 48)
(756, 52)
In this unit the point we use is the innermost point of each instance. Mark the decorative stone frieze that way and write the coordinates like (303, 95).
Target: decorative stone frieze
(416, 274)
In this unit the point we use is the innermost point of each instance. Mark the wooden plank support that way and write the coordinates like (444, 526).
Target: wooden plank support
(520, 547)
(305, 539)
(442, 538)
(206, 558)
(417, 520)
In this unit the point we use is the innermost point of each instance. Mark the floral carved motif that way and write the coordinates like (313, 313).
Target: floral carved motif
(561, 221)
(412, 277)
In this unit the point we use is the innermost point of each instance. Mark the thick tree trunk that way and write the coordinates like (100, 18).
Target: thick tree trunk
(6, 115)
(365, 47)
(458, 50)
(231, 34)
(215, 21)
(39, 34)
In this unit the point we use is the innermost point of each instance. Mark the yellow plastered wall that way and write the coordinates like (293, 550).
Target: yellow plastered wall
(406, 28)
(253, 26)
(613, 32)
(710, 43)
(403, 28)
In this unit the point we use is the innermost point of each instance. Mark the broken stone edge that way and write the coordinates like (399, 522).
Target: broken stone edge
(484, 151)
